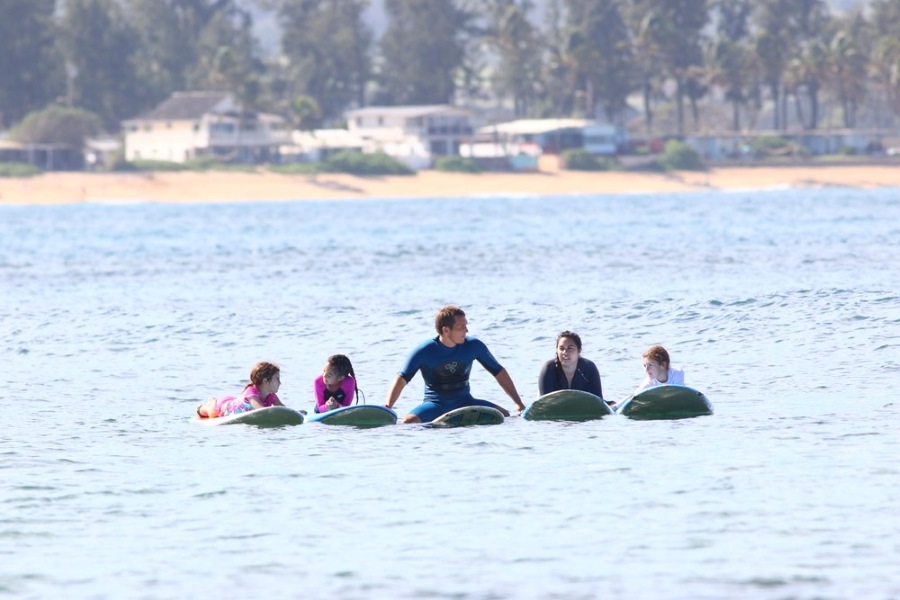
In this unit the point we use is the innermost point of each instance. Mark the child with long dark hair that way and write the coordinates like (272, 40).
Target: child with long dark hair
(336, 386)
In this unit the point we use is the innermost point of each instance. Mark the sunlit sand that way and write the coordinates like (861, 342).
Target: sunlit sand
(65, 188)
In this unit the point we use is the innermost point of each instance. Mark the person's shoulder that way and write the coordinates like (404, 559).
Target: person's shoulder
(548, 367)
(588, 362)
(473, 344)
(429, 343)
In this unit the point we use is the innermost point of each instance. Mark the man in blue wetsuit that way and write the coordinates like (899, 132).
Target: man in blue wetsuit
(446, 362)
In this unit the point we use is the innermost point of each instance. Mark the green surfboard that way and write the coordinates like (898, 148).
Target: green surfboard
(468, 415)
(359, 415)
(567, 405)
(667, 402)
(271, 416)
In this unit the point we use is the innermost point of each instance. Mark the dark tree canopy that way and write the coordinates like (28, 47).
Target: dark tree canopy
(422, 52)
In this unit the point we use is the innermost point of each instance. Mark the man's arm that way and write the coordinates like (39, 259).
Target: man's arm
(396, 388)
(509, 387)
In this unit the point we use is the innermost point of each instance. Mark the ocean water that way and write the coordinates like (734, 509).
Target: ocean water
(782, 306)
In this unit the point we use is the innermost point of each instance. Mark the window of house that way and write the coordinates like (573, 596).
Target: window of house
(439, 147)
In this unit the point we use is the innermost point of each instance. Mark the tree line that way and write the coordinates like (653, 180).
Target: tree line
(118, 58)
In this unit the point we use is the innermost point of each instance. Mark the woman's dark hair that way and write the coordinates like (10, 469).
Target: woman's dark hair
(572, 336)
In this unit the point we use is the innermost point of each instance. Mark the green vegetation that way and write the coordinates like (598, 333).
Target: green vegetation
(209, 163)
(203, 163)
(148, 165)
(579, 159)
(456, 164)
(776, 64)
(57, 125)
(678, 156)
(357, 163)
(17, 169)
(769, 146)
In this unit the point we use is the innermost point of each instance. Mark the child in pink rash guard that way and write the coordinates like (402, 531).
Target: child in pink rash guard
(265, 380)
(336, 386)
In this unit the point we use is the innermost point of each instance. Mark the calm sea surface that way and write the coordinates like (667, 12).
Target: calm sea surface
(782, 306)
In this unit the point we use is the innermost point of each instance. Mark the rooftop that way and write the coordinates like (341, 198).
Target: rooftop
(535, 126)
(184, 106)
(406, 111)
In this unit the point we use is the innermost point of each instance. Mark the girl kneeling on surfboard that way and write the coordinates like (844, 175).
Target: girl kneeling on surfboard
(265, 379)
(336, 386)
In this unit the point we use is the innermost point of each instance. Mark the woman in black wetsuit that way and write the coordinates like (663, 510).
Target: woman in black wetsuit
(569, 371)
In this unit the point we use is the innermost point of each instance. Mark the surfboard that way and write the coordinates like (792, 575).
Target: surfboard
(468, 415)
(271, 416)
(359, 415)
(667, 402)
(567, 405)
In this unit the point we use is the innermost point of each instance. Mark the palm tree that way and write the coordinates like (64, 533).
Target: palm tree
(848, 73)
(728, 65)
(771, 54)
(885, 68)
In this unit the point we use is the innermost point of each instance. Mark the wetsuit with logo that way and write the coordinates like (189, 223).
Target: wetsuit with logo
(446, 373)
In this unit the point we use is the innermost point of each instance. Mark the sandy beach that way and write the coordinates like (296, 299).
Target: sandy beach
(66, 188)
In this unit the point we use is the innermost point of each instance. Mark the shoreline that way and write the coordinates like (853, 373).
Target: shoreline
(56, 188)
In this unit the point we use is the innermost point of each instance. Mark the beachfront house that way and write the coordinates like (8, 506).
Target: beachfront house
(48, 157)
(731, 145)
(196, 124)
(414, 135)
(319, 144)
(520, 144)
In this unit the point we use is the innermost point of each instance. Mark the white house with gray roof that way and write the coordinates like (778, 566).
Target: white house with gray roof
(415, 135)
(193, 124)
